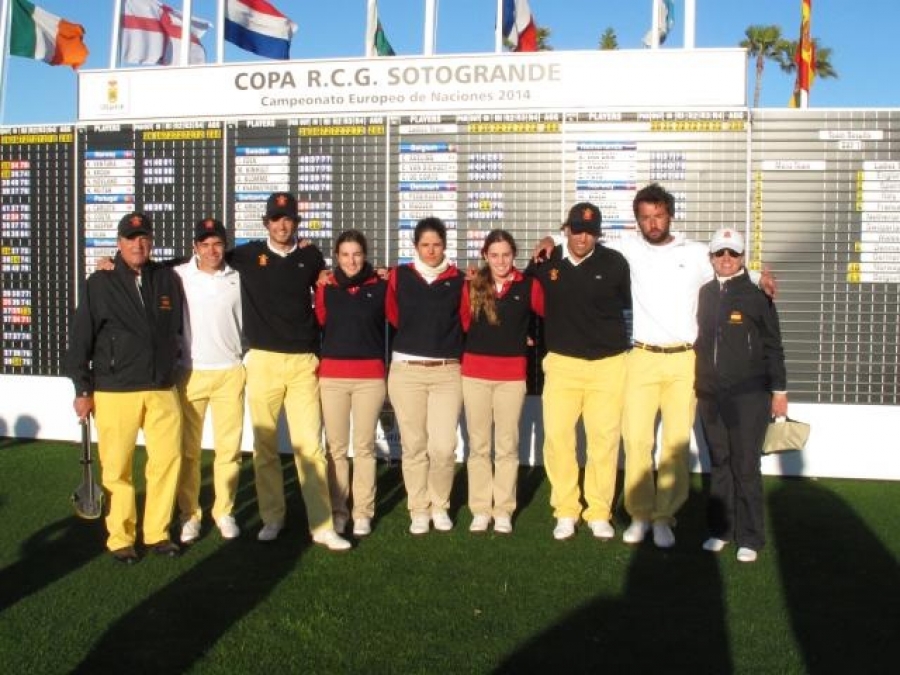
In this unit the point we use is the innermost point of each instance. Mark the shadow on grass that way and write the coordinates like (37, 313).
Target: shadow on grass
(841, 584)
(652, 627)
(389, 491)
(530, 479)
(50, 554)
(179, 624)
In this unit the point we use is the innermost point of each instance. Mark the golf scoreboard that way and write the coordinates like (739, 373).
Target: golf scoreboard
(818, 192)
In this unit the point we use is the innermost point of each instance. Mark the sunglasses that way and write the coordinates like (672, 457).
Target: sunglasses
(728, 252)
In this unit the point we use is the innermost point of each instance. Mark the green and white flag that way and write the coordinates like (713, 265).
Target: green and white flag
(376, 41)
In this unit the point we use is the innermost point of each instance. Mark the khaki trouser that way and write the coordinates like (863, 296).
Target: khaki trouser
(591, 389)
(657, 383)
(119, 417)
(277, 381)
(427, 402)
(352, 403)
(223, 392)
(493, 406)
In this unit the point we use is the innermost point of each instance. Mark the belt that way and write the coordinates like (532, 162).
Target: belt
(678, 349)
(432, 364)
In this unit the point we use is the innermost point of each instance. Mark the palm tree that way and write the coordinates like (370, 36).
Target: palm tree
(822, 66)
(543, 39)
(764, 43)
(609, 40)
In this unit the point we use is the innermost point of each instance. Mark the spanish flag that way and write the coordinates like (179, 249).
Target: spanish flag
(806, 59)
(37, 34)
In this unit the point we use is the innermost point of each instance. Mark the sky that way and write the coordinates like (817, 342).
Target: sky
(861, 34)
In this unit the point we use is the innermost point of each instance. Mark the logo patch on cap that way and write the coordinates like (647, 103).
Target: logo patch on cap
(587, 214)
(136, 221)
(281, 200)
(209, 224)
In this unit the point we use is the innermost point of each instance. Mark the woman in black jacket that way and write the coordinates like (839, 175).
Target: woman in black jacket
(740, 382)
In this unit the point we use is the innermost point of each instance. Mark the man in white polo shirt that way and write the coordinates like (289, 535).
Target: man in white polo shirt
(213, 377)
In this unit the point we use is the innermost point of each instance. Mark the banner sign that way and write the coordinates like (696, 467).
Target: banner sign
(484, 83)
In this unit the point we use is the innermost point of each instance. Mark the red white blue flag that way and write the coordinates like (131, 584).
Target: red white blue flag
(518, 25)
(256, 26)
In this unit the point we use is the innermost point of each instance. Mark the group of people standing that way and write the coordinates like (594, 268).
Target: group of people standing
(455, 344)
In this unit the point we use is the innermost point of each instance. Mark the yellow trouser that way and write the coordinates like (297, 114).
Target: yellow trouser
(493, 408)
(361, 400)
(591, 389)
(657, 383)
(223, 392)
(119, 417)
(427, 402)
(277, 381)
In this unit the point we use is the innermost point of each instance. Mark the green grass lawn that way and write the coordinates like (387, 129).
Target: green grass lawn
(822, 598)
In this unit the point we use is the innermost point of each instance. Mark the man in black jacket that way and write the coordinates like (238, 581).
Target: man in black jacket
(123, 348)
(277, 278)
(587, 288)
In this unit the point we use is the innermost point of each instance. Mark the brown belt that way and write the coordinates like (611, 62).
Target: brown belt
(678, 349)
(432, 364)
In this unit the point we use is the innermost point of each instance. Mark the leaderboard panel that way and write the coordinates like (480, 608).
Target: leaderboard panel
(826, 217)
(477, 173)
(36, 246)
(336, 166)
(699, 156)
(173, 171)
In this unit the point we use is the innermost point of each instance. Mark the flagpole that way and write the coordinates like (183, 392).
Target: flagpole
(5, 22)
(430, 20)
(184, 53)
(690, 23)
(116, 30)
(654, 25)
(498, 29)
(220, 33)
(371, 14)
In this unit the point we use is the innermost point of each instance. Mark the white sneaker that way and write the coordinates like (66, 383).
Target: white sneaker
(480, 523)
(340, 524)
(228, 527)
(745, 554)
(635, 533)
(602, 529)
(663, 536)
(441, 520)
(190, 531)
(503, 525)
(419, 525)
(362, 527)
(565, 528)
(714, 544)
(331, 540)
(270, 531)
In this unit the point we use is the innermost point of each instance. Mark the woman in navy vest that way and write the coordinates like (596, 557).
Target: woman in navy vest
(423, 305)
(496, 312)
(350, 309)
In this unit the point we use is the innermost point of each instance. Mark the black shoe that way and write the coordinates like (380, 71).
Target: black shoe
(126, 555)
(167, 548)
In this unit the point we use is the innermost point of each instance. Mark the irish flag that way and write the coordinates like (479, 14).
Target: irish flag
(36, 34)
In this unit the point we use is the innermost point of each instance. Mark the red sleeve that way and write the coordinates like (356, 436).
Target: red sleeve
(465, 309)
(320, 304)
(391, 310)
(537, 297)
